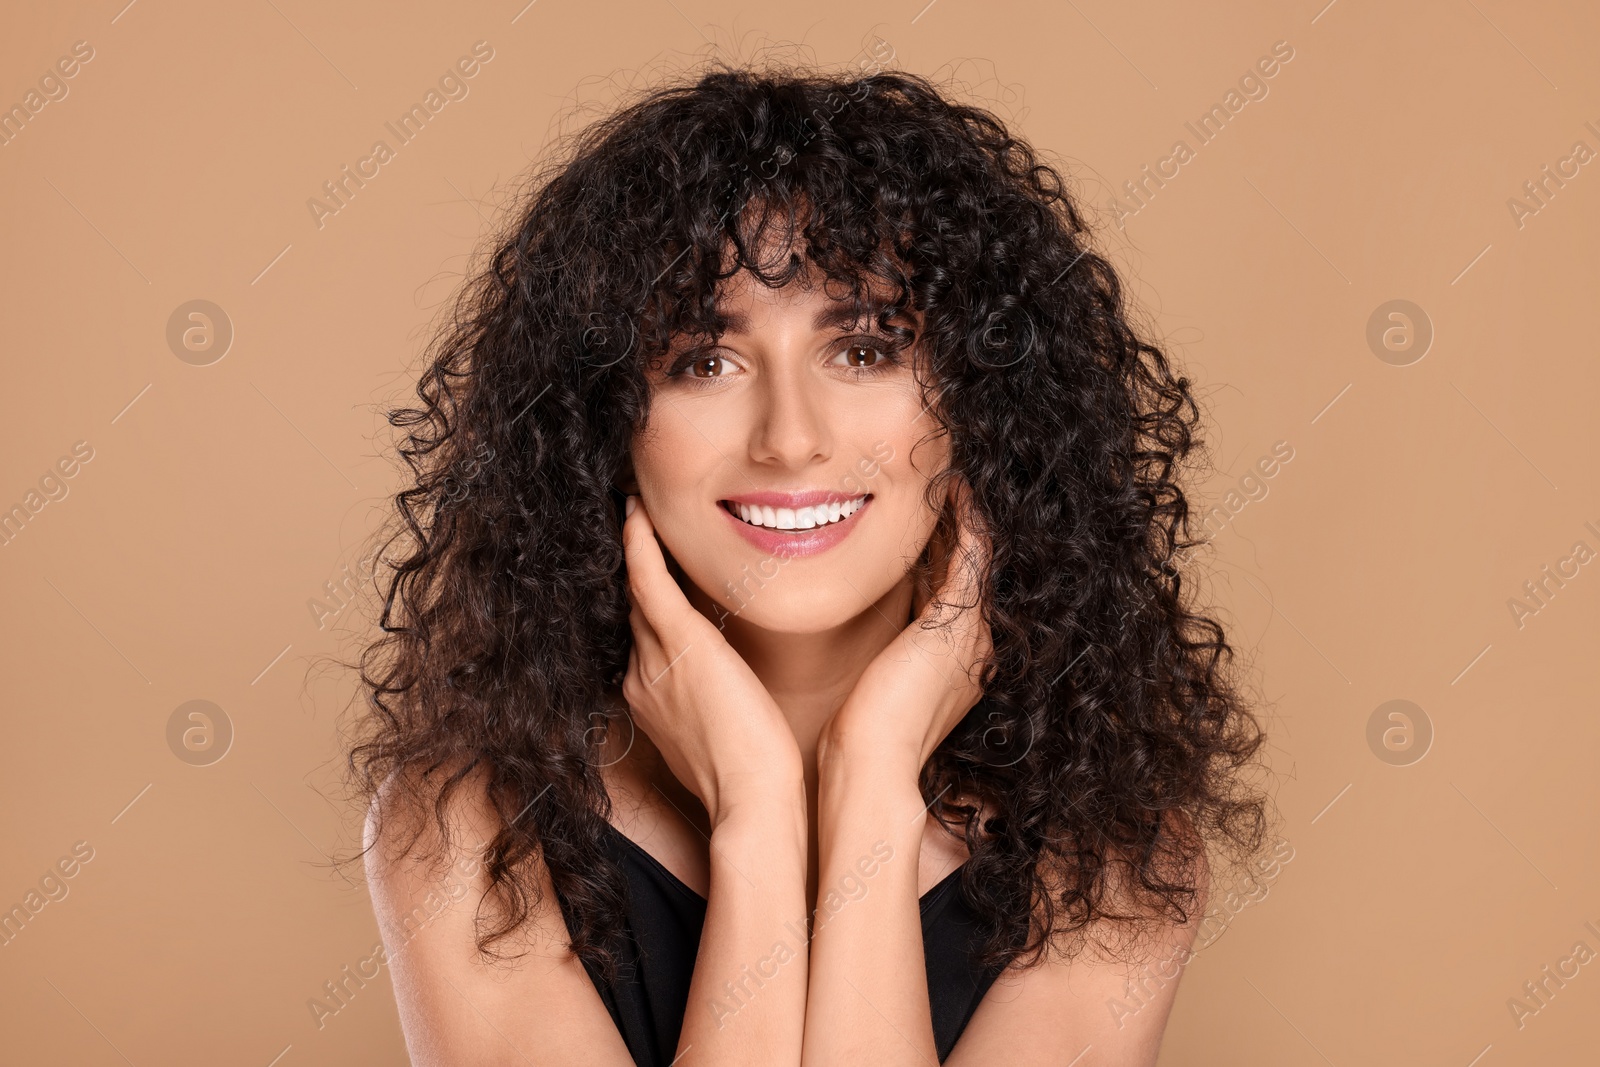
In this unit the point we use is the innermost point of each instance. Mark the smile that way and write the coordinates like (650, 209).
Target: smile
(795, 519)
(785, 532)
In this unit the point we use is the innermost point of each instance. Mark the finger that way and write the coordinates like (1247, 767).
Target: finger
(651, 650)
(635, 684)
(647, 567)
(674, 621)
(632, 672)
(646, 641)
(630, 678)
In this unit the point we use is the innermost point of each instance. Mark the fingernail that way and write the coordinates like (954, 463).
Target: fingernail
(627, 508)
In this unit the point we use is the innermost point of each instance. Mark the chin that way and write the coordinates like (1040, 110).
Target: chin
(793, 596)
(794, 610)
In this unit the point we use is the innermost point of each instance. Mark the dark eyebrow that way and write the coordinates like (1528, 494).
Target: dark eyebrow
(835, 314)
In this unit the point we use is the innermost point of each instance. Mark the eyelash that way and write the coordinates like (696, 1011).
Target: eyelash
(882, 345)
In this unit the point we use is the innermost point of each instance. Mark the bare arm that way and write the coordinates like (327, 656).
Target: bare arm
(724, 738)
(456, 1007)
(747, 999)
(869, 991)
(869, 987)
(1115, 1011)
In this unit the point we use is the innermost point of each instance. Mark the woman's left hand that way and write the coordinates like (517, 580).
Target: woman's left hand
(924, 682)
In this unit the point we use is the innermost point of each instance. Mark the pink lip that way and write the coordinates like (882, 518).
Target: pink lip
(784, 544)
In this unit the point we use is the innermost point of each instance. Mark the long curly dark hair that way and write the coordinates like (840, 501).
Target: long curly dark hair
(1111, 743)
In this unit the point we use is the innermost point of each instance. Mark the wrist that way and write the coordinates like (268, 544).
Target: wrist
(759, 797)
(859, 777)
(850, 749)
(771, 827)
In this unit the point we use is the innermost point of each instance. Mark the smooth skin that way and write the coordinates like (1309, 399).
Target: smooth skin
(777, 742)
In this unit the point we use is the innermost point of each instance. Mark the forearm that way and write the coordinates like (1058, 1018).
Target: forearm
(747, 997)
(868, 1000)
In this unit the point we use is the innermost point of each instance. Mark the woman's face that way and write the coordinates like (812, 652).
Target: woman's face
(807, 423)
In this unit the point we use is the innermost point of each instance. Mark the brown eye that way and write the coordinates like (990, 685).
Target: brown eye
(869, 355)
(702, 366)
(855, 355)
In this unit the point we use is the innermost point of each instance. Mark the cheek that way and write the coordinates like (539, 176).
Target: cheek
(675, 465)
(916, 460)
(667, 455)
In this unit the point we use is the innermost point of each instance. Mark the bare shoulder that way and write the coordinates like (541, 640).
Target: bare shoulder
(429, 893)
(414, 869)
(1115, 994)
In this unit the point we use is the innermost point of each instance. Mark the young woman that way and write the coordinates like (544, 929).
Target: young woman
(790, 662)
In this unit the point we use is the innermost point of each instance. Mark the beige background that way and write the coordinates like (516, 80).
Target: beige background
(1379, 566)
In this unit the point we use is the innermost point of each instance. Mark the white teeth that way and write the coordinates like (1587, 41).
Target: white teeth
(799, 518)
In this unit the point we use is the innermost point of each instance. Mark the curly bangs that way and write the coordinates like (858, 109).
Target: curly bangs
(1108, 747)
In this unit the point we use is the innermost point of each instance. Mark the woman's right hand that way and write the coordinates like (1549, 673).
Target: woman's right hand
(715, 724)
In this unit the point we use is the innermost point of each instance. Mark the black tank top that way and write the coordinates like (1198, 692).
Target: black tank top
(663, 921)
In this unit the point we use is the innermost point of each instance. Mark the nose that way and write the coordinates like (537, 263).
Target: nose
(791, 422)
